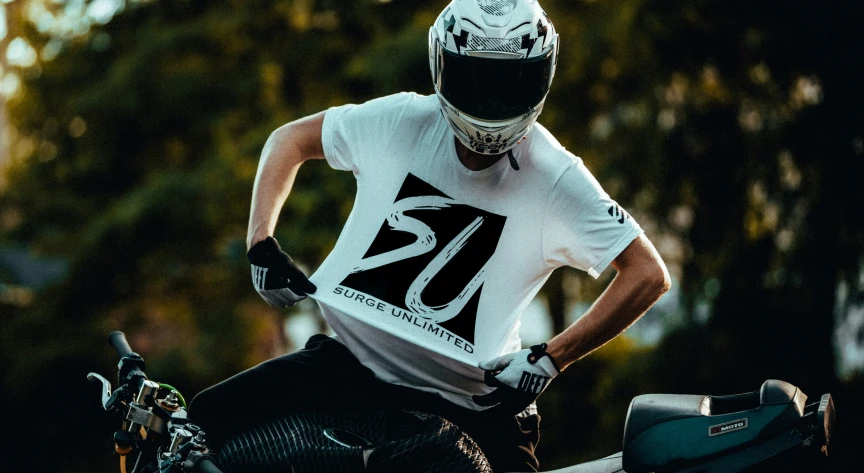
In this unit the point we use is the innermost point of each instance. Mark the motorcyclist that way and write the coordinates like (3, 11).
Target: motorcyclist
(464, 207)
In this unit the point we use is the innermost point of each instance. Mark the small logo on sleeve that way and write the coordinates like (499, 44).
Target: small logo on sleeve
(616, 212)
(733, 426)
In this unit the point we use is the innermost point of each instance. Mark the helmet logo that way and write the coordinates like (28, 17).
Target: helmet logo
(487, 143)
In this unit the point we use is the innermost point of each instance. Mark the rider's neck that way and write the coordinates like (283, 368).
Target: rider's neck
(474, 160)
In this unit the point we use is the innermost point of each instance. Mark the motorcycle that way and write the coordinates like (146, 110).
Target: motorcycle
(664, 433)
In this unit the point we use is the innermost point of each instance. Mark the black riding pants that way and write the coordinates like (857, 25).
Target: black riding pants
(326, 376)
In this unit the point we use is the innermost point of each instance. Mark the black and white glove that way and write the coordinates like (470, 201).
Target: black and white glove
(275, 276)
(519, 377)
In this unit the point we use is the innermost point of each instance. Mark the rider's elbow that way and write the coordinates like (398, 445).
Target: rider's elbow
(640, 264)
(652, 276)
(658, 277)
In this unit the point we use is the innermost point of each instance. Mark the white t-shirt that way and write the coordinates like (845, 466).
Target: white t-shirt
(436, 262)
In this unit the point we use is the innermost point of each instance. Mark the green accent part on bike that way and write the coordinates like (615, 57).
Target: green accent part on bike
(172, 388)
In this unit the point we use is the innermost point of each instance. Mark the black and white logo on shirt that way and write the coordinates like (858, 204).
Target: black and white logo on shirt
(615, 211)
(429, 257)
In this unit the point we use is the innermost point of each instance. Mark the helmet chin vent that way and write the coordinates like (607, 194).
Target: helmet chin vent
(487, 144)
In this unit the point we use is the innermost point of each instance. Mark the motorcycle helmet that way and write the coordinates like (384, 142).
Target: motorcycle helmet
(492, 63)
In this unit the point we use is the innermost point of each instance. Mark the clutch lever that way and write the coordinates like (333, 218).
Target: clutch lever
(109, 400)
(106, 387)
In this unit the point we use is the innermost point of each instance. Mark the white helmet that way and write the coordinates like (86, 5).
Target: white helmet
(492, 64)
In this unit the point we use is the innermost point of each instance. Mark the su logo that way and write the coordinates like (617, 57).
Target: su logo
(429, 257)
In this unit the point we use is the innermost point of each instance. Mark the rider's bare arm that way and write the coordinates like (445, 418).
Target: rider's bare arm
(642, 278)
(286, 149)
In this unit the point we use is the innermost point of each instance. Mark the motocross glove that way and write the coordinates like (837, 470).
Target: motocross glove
(519, 377)
(275, 276)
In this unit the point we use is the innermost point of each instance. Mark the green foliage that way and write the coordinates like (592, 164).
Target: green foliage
(733, 131)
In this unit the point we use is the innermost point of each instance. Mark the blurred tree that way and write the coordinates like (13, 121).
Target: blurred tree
(732, 130)
(133, 155)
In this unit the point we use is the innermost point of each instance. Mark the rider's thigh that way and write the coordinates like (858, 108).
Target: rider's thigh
(322, 365)
(511, 448)
(313, 378)
(507, 441)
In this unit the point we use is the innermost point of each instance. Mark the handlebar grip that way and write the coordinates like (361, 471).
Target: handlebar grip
(207, 466)
(118, 342)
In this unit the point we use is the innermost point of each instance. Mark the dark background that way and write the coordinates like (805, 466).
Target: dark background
(731, 130)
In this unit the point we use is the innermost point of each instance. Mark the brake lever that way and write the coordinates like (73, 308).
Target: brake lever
(110, 401)
(106, 388)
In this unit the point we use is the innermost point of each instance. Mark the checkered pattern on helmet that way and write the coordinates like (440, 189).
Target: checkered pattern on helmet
(479, 43)
(497, 7)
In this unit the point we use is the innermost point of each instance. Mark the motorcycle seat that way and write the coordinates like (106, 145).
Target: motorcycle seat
(663, 431)
(652, 409)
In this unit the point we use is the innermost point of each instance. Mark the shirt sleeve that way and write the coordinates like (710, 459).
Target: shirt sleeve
(351, 133)
(583, 227)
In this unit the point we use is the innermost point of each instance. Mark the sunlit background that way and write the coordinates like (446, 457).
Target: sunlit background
(732, 130)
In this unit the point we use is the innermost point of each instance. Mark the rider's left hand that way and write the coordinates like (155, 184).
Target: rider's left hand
(275, 276)
(519, 377)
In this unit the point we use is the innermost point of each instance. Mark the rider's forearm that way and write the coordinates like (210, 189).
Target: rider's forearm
(642, 278)
(286, 149)
(277, 169)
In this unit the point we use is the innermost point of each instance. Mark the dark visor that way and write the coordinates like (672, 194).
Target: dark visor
(493, 88)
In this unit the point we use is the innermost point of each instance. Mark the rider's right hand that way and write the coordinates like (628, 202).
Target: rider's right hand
(275, 276)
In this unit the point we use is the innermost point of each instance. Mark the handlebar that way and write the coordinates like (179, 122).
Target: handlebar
(151, 411)
(207, 466)
(118, 342)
